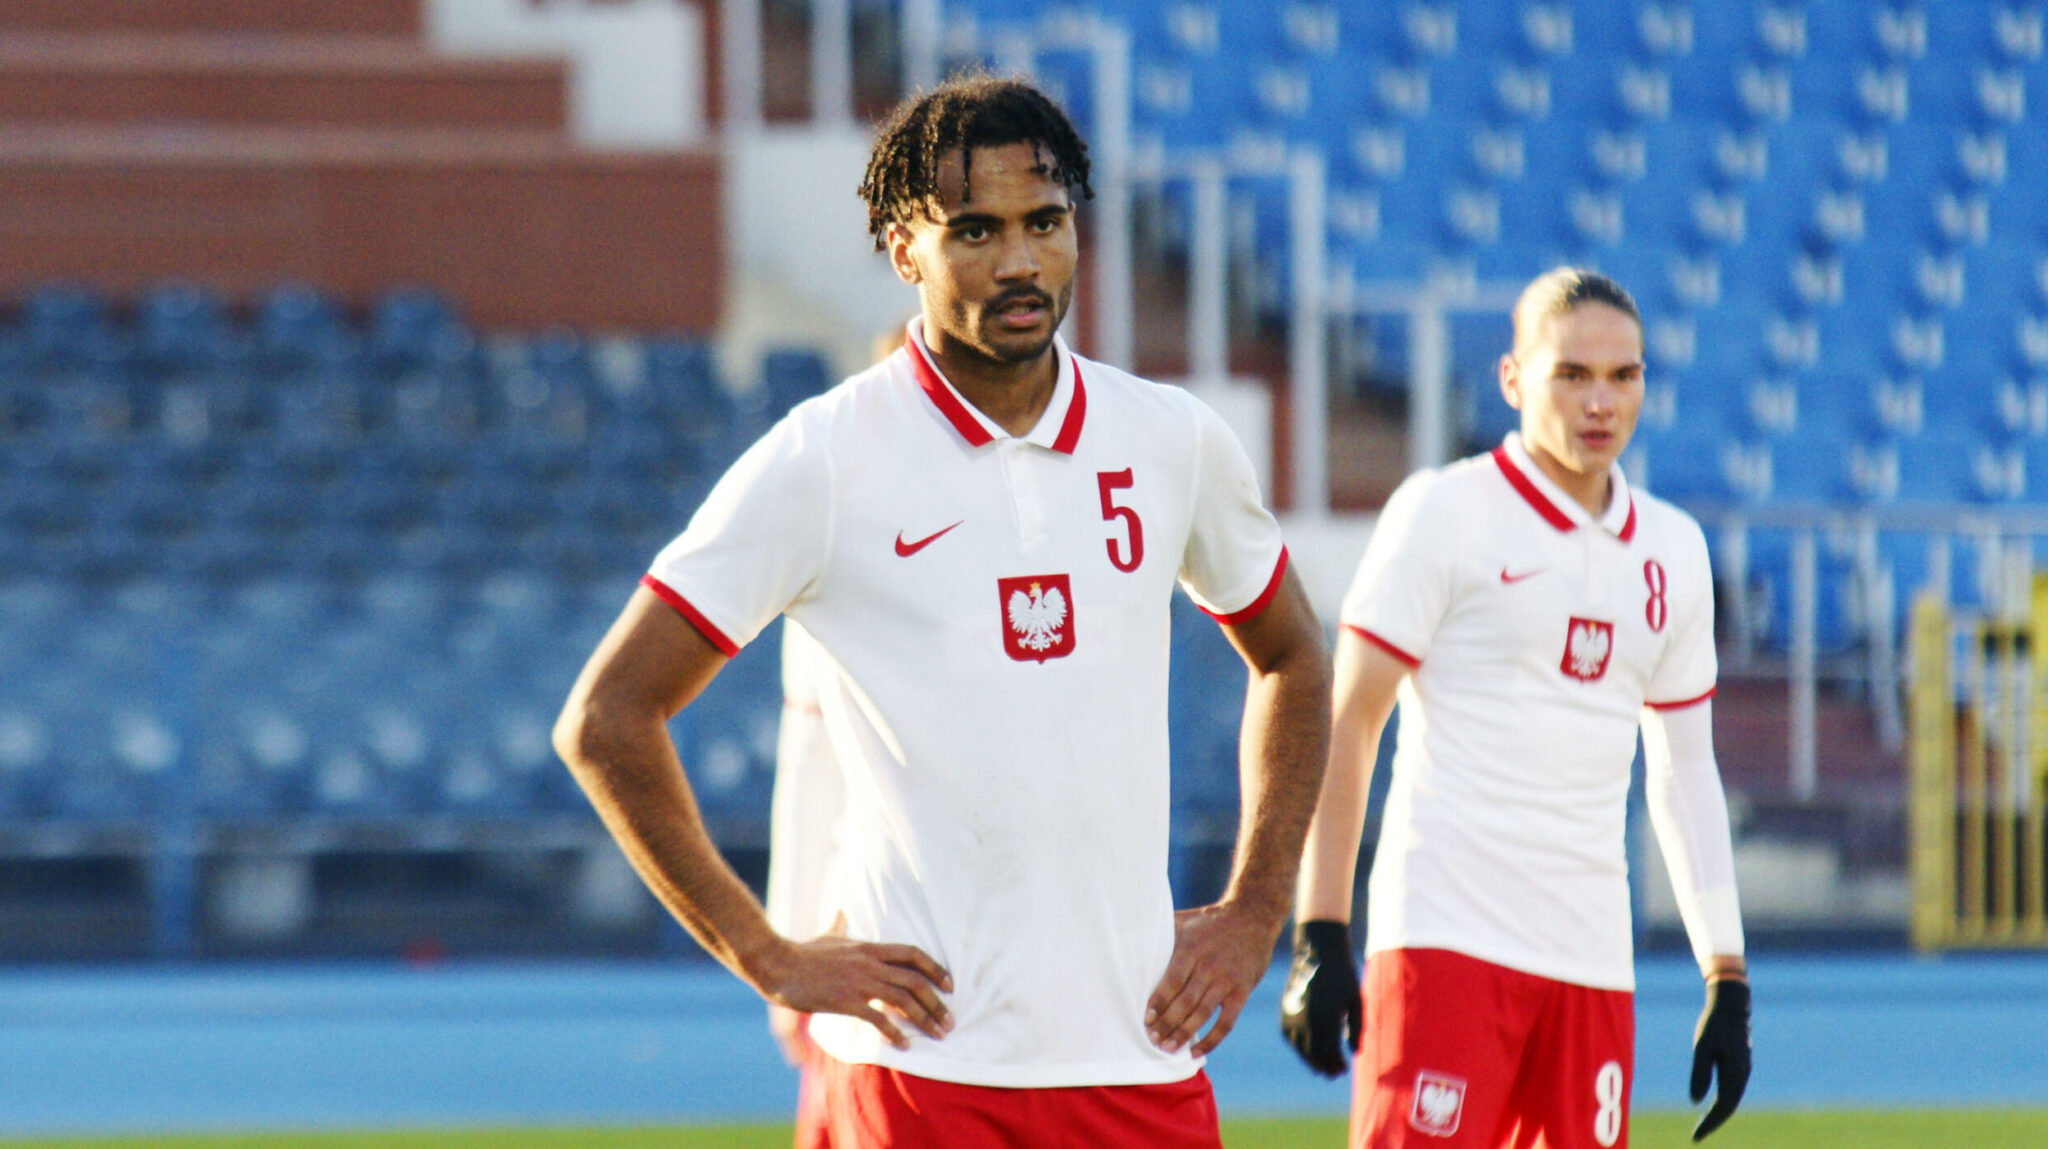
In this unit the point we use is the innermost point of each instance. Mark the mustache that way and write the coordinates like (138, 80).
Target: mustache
(1020, 295)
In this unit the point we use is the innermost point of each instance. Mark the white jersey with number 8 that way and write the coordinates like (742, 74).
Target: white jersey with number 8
(1537, 634)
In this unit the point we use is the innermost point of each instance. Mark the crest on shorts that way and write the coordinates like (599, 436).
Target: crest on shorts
(1588, 644)
(1439, 1102)
(1038, 616)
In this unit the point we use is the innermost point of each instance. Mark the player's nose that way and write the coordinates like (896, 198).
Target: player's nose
(1016, 258)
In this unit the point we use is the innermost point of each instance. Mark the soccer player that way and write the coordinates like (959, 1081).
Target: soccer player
(1529, 611)
(983, 534)
(803, 840)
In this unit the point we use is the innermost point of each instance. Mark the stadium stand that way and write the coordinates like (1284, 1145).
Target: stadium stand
(1820, 205)
(283, 546)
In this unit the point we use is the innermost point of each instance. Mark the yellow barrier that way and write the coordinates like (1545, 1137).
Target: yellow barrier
(1931, 756)
(1978, 758)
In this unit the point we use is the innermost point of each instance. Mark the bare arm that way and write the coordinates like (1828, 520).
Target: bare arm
(1367, 679)
(613, 733)
(1222, 950)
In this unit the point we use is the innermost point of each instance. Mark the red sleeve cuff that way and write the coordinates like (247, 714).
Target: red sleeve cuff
(1259, 604)
(1682, 703)
(726, 646)
(1406, 658)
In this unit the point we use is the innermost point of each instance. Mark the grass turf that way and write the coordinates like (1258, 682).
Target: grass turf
(1905, 1129)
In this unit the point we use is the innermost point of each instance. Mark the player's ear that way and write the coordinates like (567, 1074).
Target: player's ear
(1511, 381)
(896, 239)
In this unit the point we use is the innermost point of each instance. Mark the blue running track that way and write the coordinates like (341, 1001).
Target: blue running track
(159, 1049)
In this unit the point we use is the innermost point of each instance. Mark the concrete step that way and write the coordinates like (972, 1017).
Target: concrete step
(323, 17)
(521, 228)
(135, 78)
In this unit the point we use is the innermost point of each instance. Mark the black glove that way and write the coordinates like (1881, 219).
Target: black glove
(1721, 1045)
(1321, 998)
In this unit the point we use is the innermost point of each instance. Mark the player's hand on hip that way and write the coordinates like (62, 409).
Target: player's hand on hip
(1219, 953)
(1720, 1048)
(1321, 1005)
(878, 982)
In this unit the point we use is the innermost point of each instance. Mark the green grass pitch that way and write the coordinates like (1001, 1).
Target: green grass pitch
(1909, 1129)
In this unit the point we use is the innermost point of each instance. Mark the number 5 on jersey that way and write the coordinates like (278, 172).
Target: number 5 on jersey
(1127, 556)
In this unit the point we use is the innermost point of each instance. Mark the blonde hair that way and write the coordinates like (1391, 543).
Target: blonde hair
(1560, 291)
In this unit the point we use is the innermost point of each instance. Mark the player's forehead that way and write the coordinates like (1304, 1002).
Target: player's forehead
(1591, 333)
(996, 179)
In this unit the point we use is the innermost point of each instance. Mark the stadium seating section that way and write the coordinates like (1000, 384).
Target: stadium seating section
(336, 567)
(294, 562)
(1829, 211)
(301, 568)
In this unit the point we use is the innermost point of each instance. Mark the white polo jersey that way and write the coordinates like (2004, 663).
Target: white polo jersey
(1536, 634)
(803, 821)
(996, 608)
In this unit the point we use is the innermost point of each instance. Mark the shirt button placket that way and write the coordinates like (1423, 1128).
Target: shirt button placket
(1594, 554)
(1024, 494)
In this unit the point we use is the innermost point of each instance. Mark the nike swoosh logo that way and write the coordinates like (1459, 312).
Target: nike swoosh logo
(1509, 580)
(905, 550)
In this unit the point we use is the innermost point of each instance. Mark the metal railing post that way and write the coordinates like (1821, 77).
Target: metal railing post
(1429, 382)
(1307, 354)
(1115, 279)
(1208, 275)
(1803, 780)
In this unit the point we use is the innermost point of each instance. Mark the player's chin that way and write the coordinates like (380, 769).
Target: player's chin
(1013, 346)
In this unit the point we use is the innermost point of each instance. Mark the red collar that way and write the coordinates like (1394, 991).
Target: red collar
(970, 426)
(1551, 512)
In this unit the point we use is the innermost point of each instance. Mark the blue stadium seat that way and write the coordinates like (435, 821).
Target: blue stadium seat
(682, 392)
(69, 325)
(297, 327)
(1838, 624)
(1939, 468)
(790, 375)
(29, 762)
(185, 326)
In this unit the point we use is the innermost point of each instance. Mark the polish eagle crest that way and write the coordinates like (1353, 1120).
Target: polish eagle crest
(1588, 643)
(1439, 1101)
(1036, 615)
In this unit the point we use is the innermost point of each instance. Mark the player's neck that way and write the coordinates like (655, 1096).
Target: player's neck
(1014, 395)
(1593, 492)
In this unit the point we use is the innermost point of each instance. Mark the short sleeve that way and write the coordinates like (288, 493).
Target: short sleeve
(1686, 672)
(1234, 557)
(757, 542)
(1402, 589)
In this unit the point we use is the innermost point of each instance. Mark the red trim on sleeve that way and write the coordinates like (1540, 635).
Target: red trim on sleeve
(1259, 604)
(1682, 703)
(725, 646)
(1628, 529)
(1536, 498)
(1410, 660)
(1077, 410)
(949, 404)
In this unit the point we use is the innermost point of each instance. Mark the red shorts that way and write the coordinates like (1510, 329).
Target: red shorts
(813, 1131)
(1459, 1052)
(870, 1107)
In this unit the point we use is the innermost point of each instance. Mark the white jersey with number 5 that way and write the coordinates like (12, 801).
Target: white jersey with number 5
(994, 610)
(1536, 634)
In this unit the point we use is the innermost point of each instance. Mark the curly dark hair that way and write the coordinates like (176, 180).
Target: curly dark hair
(970, 111)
